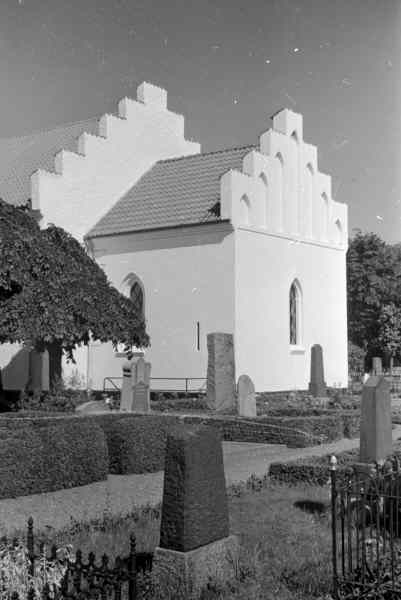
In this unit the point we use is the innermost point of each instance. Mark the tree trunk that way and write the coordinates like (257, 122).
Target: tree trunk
(55, 371)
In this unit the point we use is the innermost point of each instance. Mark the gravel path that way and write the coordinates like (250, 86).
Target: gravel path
(120, 494)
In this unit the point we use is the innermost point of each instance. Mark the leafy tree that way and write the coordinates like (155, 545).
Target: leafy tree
(54, 296)
(373, 282)
(390, 330)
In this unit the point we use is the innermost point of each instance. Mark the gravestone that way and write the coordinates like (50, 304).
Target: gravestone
(376, 426)
(194, 533)
(126, 388)
(377, 367)
(246, 397)
(141, 386)
(221, 372)
(317, 385)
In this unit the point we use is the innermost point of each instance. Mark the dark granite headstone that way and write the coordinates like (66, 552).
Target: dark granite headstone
(194, 507)
(221, 386)
(376, 425)
(317, 385)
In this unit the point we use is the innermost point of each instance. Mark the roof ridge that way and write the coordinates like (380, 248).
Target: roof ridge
(165, 160)
(41, 131)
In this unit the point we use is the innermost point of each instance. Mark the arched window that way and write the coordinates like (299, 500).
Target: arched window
(280, 186)
(266, 208)
(308, 201)
(338, 232)
(245, 210)
(136, 296)
(325, 215)
(295, 314)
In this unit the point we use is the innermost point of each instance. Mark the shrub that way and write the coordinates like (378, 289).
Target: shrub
(44, 454)
(356, 361)
(179, 404)
(328, 427)
(58, 400)
(15, 575)
(136, 443)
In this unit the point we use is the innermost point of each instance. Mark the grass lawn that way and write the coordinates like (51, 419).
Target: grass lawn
(285, 551)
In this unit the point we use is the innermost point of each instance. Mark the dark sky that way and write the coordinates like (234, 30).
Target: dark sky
(227, 66)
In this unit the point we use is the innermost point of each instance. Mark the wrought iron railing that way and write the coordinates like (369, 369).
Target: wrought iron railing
(366, 531)
(83, 579)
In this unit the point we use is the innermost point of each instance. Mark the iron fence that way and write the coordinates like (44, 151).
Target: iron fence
(184, 386)
(104, 579)
(366, 532)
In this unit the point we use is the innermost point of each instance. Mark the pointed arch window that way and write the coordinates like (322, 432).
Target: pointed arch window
(136, 296)
(295, 314)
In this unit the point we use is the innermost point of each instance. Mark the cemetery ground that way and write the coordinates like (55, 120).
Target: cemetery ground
(285, 551)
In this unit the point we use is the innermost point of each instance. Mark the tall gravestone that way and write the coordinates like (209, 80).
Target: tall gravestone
(376, 425)
(141, 386)
(194, 533)
(221, 372)
(317, 385)
(246, 397)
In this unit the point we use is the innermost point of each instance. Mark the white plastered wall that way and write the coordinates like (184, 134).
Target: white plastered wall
(287, 227)
(188, 277)
(88, 182)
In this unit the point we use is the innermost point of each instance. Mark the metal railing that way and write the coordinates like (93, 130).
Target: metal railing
(366, 532)
(186, 388)
(79, 579)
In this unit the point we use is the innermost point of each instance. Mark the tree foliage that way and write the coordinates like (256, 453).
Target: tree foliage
(374, 294)
(53, 295)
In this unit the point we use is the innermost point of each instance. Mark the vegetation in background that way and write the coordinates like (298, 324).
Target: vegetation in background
(374, 296)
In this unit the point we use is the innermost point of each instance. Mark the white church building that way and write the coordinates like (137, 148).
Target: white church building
(244, 240)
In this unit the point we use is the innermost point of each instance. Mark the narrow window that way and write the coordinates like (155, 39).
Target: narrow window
(295, 314)
(136, 295)
(197, 336)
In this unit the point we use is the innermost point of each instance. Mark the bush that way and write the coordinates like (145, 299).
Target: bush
(58, 400)
(356, 361)
(179, 404)
(136, 443)
(45, 454)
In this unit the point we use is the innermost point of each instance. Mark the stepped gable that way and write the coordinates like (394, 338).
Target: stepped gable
(22, 156)
(178, 191)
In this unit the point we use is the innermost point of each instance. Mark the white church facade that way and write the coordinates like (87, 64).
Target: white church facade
(247, 240)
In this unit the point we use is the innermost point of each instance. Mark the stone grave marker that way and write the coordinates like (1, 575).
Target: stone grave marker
(194, 533)
(221, 372)
(246, 397)
(141, 386)
(126, 388)
(376, 425)
(317, 385)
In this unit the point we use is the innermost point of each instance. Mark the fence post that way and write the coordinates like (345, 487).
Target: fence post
(333, 480)
(30, 545)
(132, 569)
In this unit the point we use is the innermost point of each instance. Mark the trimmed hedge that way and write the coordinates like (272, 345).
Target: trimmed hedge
(315, 469)
(136, 442)
(49, 454)
(240, 429)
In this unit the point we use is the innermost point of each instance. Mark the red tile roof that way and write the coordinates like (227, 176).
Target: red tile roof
(173, 192)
